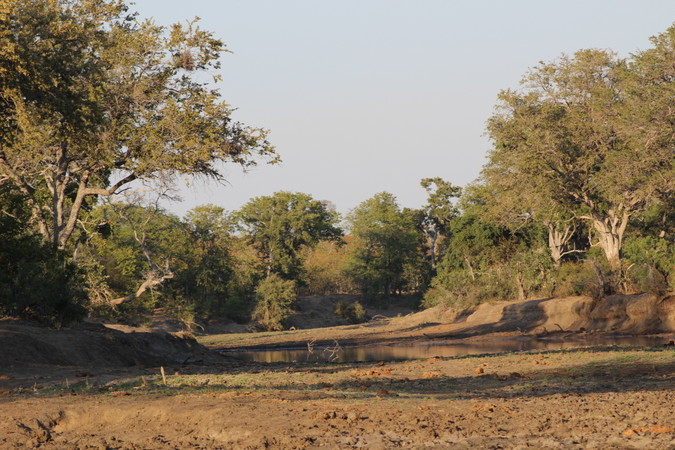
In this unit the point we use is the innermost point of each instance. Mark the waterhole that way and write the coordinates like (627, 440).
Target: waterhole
(338, 353)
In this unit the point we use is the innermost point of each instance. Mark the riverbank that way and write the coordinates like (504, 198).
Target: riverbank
(576, 317)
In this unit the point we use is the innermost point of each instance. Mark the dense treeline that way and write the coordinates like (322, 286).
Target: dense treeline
(576, 196)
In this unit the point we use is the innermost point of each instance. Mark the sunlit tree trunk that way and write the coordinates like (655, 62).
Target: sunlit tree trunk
(610, 230)
(558, 238)
(610, 227)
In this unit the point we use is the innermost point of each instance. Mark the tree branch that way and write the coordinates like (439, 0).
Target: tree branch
(152, 280)
(112, 189)
(74, 210)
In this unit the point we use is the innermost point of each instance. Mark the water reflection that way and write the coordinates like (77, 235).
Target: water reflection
(432, 349)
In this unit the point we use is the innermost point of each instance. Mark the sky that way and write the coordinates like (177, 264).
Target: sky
(365, 96)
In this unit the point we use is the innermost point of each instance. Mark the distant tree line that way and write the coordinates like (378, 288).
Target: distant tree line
(576, 196)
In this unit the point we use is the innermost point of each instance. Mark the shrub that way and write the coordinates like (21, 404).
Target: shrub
(589, 278)
(352, 312)
(274, 302)
(652, 264)
(38, 282)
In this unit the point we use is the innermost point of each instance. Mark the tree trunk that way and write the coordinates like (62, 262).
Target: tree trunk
(434, 239)
(521, 286)
(557, 240)
(610, 229)
(470, 267)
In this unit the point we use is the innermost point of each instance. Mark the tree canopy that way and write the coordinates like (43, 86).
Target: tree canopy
(280, 225)
(386, 241)
(94, 98)
(591, 134)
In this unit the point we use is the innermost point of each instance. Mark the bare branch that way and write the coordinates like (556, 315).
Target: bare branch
(112, 189)
(152, 280)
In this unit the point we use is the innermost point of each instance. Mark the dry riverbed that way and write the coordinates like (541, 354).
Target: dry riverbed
(588, 398)
(93, 386)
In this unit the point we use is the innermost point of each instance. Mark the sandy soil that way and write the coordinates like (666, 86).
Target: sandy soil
(102, 388)
(595, 398)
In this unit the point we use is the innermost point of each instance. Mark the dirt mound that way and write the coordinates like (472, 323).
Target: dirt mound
(618, 314)
(94, 345)
(631, 314)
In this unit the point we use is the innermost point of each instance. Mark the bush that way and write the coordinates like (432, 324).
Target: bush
(589, 278)
(652, 264)
(38, 282)
(352, 312)
(274, 302)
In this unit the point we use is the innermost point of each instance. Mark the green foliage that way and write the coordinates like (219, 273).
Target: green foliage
(129, 244)
(588, 137)
(198, 266)
(652, 264)
(581, 137)
(650, 249)
(387, 244)
(439, 208)
(36, 281)
(94, 98)
(485, 261)
(583, 278)
(325, 268)
(281, 225)
(274, 302)
(207, 282)
(438, 211)
(351, 312)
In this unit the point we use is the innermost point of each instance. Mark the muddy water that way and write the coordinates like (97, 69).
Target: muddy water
(337, 353)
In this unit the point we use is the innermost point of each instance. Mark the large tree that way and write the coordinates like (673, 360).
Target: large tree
(281, 225)
(592, 134)
(93, 98)
(386, 241)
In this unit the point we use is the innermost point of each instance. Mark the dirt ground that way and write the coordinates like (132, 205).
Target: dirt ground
(599, 397)
(593, 398)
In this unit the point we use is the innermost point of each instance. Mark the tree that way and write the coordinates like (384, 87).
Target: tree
(36, 281)
(274, 302)
(325, 268)
(438, 211)
(484, 259)
(573, 137)
(386, 240)
(514, 207)
(94, 98)
(650, 249)
(280, 225)
(215, 278)
(131, 249)
(474, 239)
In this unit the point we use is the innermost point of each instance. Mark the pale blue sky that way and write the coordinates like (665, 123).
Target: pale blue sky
(364, 96)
